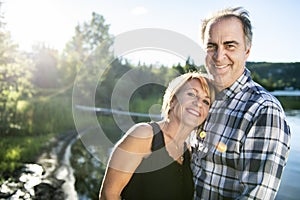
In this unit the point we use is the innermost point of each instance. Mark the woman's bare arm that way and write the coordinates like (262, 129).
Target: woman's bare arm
(126, 157)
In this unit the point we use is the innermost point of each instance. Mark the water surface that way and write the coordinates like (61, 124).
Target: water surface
(290, 187)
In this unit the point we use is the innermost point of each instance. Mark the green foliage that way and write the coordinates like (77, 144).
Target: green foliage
(145, 106)
(276, 76)
(108, 81)
(16, 150)
(189, 67)
(43, 116)
(86, 56)
(290, 103)
(52, 115)
(15, 77)
(45, 74)
(110, 128)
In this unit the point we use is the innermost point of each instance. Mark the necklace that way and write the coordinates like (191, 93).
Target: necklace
(181, 157)
(178, 148)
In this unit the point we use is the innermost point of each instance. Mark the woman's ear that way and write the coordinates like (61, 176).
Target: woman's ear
(173, 102)
(171, 105)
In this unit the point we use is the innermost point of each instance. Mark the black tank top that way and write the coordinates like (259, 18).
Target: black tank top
(169, 181)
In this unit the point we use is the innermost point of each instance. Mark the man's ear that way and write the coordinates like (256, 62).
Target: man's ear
(247, 53)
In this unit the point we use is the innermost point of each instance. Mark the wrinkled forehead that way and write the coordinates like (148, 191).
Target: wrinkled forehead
(225, 26)
(224, 19)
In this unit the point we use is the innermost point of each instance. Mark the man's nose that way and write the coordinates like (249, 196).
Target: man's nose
(219, 54)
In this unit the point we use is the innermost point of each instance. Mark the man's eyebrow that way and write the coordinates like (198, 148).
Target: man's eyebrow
(211, 43)
(231, 42)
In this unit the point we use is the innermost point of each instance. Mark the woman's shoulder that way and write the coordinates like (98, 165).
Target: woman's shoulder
(137, 139)
(141, 130)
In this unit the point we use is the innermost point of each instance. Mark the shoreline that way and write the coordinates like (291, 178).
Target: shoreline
(39, 179)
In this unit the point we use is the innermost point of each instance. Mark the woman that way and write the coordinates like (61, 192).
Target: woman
(152, 161)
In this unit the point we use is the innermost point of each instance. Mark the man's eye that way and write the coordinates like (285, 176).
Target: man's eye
(230, 46)
(210, 47)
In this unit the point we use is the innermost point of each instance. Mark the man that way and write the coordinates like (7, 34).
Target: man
(247, 137)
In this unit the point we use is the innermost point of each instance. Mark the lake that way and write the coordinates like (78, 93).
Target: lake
(290, 187)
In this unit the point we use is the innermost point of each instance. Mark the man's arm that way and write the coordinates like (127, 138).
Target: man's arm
(264, 155)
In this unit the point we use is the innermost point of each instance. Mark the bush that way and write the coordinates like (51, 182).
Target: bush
(16, 150)
(52, 115)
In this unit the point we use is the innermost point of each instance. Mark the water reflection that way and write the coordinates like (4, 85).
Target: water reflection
(290, 188)
(88, 172)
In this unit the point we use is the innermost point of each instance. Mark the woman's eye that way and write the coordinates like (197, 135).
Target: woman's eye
(191, 94)
(206, 102)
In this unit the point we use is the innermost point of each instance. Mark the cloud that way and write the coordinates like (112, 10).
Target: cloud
(139, 10)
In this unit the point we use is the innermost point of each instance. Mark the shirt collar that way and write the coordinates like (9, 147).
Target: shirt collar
(236, 87)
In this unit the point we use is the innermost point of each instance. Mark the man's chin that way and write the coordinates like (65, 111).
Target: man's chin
(219, 84)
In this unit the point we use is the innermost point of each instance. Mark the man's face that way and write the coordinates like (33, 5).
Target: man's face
(226, 50)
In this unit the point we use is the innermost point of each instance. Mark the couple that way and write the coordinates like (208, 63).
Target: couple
(239, 152)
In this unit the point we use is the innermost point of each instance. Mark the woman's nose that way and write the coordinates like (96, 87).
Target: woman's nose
(197, 101)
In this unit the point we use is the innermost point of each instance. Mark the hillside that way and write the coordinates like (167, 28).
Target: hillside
(276, 76)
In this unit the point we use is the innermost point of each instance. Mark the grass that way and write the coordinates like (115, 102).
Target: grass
(16, 150)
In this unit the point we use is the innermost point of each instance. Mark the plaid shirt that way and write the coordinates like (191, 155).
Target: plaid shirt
(252, 125)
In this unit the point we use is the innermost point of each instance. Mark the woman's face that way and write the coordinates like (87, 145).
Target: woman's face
(191, 104)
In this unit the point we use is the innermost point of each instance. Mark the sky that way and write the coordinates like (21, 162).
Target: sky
(276, 27)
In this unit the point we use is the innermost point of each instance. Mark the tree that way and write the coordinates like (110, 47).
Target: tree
(45, 73)
(15, 77)
(86, 56)
(106, 86)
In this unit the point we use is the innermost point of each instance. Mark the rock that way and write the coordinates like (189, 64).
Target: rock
(38, 180)
(30, 183)
(7, 189)
(46, 191)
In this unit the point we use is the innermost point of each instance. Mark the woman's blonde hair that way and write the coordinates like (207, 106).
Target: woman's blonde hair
(176, 84)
